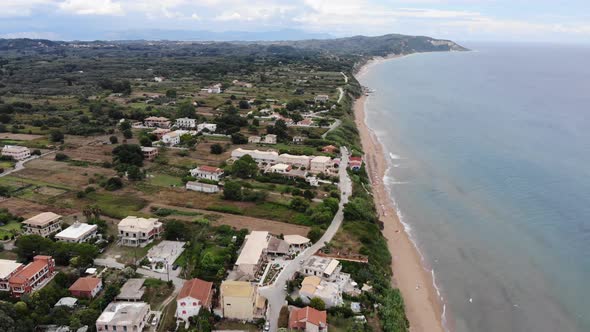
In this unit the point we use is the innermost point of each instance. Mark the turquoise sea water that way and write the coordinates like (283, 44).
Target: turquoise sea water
(490, 168)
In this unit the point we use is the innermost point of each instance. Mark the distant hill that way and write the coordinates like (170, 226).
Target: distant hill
(357, 46)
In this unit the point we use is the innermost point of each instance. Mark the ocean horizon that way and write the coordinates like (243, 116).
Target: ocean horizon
(488, 153)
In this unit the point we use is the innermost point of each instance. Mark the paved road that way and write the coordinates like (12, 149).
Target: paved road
(276, 293)
(20, 165)
(341, 92)
(334, 125)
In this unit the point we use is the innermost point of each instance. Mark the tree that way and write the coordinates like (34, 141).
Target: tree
(113, 139)
(238, 138)
(28, 246)
(314, 234)
(127, 133)
(114, 183)
(295, 104)
(317, 303)
(130, 154)
(175, 230)
(245, 167)
(56, 135)
(244, 105)
(308, 194)
(216, 148)
(185, 110)
(125, 125)
(145, 141)
(232, 191)
(61, 157)
(171, 93)
(299, 204)
(134, 173)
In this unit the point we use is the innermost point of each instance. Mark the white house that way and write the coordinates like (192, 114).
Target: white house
(171, 138)
(134, 231)
(321, 164)
(194, 295)
(157, 122)
(321, 98)
(207, 172)
(16, 152)
(211, 127)
(254, 139)
(280, 168)
(253, 253)
(77, 233)
(270, 139)
(202, 187)
(43, 224)
(294, 160)
(123, 316)
(268, 157)
(186, 123)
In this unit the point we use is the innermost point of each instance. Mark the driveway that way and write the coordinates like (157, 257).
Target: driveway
(275, 294)
(20, 165)
(332, 127)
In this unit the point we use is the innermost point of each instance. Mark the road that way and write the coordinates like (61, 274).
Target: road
(20, 165)
(332, 127)
(341, 94)
(275, 294)
(345, 77)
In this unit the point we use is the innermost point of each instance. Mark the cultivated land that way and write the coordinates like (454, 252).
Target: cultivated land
(87, 104)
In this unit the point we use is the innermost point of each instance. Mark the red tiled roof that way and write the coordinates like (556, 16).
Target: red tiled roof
(299, 317)
(30, 270)
(356, 158)
(85, 284)
(210, 169)
(197, 289)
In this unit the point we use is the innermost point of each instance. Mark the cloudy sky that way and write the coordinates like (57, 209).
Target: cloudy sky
(471, 20)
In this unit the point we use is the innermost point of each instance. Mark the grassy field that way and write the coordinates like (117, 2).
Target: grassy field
(117, 205)
(6, 229)
(165, 180)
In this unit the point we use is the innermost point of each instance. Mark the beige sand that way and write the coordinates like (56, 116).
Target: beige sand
(423, 305)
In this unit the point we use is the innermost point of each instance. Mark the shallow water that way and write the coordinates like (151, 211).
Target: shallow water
(490, 155)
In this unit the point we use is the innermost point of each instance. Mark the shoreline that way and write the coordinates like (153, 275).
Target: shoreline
(423, 305)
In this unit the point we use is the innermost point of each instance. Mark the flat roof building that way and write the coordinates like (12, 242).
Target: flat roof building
(132, 290)
(322, 267)
(253, 253)
(8, 268)
(16, 152)
(43, 224)
(135, 231)
(77, 233)
(123, 316)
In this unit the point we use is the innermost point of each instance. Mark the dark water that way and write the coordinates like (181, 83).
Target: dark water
(490, 156)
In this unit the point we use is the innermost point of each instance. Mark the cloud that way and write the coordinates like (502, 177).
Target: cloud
(31, 34)
(92, 7)
(20, 8)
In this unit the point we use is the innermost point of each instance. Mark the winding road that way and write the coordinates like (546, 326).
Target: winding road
(275, 293)
(20, 165)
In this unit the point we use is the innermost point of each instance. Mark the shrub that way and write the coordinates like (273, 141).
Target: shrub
(61, 156)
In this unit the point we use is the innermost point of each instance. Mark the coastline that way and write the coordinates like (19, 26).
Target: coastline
(423, 305)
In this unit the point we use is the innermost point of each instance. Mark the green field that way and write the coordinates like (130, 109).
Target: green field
(5, 230)
(117, 206)
(165, 180)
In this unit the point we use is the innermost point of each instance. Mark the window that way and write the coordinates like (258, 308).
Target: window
(106, 327)
(182, 304)
(184, 312)
(195, 304)
(114, 328)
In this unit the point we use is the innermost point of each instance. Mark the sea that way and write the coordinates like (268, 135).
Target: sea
(489, 155)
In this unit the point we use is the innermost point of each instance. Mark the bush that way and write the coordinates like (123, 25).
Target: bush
(113, 139)
(61, 156)
(56, 136)
(232, 191)
(113, 184)
(216, 148)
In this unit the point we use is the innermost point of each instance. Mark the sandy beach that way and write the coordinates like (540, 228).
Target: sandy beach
(423, 306)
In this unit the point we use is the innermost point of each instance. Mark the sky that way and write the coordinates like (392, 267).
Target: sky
(459, 20)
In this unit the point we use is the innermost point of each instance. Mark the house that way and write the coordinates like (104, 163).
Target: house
(160, 132)
(277, 247)
(261, 157)
(216, 88)
(149, 153)
(321, 98)
(132, 290)
(8, 268)
(329, 149)
(207, 172)
(297, 241)
(329, 292)
(355, 163)
(270, 139)
(322, 267)
(294, 160)
(33, 276)
(158, 79)
(298, 139)
(69, 302)
(202, 187)
(254, 139)
(211, 127)
(43, 224)
(321, 164)
(253, 253)
(163, 255)
(77, 233)
(134, 231)
(242, 84)
(194, 294)
(280, 169)
(308, 319)
(123, 316)
(307, 122)
(171, 138)
(156, 122)
(240, 300)
(16, 152)
(86, 287)
(186, 123)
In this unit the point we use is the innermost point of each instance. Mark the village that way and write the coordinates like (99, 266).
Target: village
(215, 216)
